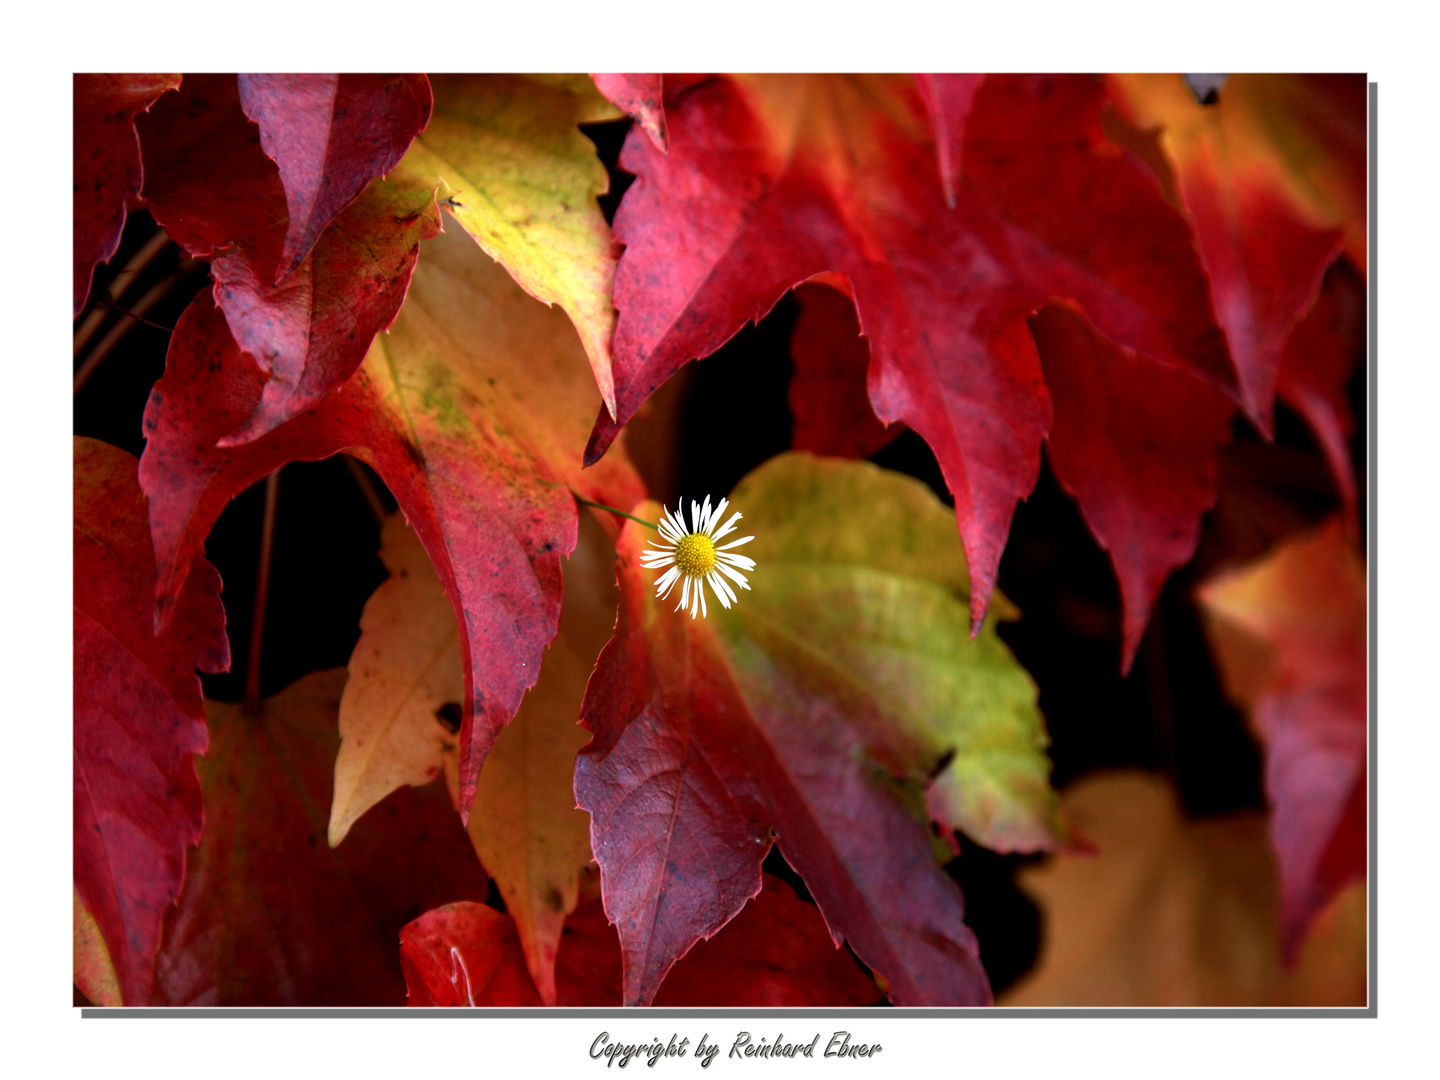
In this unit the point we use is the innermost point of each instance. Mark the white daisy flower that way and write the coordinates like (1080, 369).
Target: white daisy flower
(694, 559)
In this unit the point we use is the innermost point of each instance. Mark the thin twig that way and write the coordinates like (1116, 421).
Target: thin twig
(115, 292)
(262, 589)
(367, 489)
(123, 327)
(601, 506)
(126, 311)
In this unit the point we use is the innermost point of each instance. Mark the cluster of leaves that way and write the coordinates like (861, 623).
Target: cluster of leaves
(1106, 266)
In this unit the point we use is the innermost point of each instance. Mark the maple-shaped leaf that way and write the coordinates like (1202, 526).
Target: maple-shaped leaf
(107, 163)
(270, 914)
(827, 395)
(1290, 634)
(773, 180)
(473, 410)
(819, 707)
(1135, 444)
(138, 715)
(1272, 176)
(331, 135)
(523, 181)
(404, 674)
(210, 183)
(641, 97)
(1319, 360)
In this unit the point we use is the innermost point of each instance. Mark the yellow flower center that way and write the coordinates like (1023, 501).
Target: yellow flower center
(695, 555)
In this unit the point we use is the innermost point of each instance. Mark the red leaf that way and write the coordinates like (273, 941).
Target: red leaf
(773, 180)
(107, 163)
(642, 97)
(1248, 168)
(1315, 370)
(776, 953)
(684, 782)
(949, 99)
(1299, 663)
(465, 954)
(442, 449)
(138, 715)
(1135, 444)
(270, 914)
(827, 384)
(331, 135)
(219, 195)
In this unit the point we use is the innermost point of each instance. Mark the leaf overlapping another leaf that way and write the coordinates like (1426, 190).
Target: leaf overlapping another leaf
(108, 169)
(773, 180)
(818, 708)
(138, 716)
(472, 410)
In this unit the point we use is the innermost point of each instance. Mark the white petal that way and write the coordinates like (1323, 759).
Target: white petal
(735, 560)
(694, 516)
(668, 531)
(704, 516)
(715, 516)
(684, 594)
(701, 594)
(656, 557)
(735, 574)
(722, 591)
(666, 584)
(736, 543)
(728, 527)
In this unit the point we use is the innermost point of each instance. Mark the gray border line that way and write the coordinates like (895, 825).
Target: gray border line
(1337, 1012)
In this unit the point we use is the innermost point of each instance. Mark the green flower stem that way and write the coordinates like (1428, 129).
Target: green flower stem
(601, 506)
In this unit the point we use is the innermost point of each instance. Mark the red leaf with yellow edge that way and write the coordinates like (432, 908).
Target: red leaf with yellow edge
(213, 187)
(773, 180)
(138, 716)
(827, 394)
(1319, 360)
(1290, 634)
(472, 410)
(270, 914)
(1135, 444)
(108, 169)
(1272, 177)
(331, 135)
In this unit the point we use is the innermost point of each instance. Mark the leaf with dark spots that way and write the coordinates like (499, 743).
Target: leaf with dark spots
(772, 180)
(446, 443)
(641, 97)
(138, 716)
(107, 163)
(1290, 632)
(331, 135)
(1135, 444)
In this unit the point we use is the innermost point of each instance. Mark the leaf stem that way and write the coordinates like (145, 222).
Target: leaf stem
(262, 589)
(601, 506)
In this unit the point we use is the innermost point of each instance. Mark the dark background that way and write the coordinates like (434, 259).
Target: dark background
(1169, 715)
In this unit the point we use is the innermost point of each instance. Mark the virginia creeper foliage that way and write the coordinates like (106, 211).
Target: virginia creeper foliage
(536, 783)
